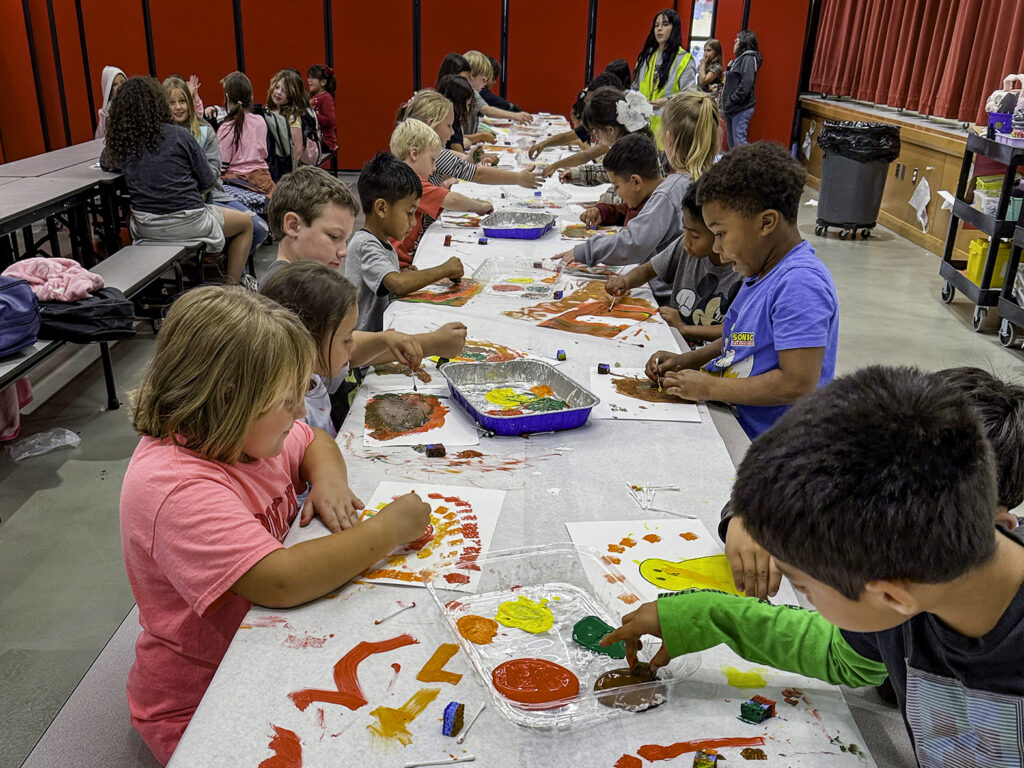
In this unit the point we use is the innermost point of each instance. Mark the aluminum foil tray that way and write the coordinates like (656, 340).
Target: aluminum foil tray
(469, 381)
(517, 225)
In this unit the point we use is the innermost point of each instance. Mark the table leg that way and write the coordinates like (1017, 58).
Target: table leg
(53, 237)
(108, 376)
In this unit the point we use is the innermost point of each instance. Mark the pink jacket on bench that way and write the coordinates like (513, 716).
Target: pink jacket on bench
(56, 279)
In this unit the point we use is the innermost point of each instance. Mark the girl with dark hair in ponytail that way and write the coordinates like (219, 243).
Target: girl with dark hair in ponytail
(664, 67)
(321, 82)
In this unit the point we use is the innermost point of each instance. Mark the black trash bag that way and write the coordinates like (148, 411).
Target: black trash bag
(863, 142)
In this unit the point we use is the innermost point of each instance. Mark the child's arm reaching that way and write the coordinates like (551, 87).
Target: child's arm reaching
(409, 281)
(330, 497)
(690, 332)
(561, 139)
(525, 178)
(294, 575)
(621, 285)
(798, 373)
(455, 201)
(634, 244)
(588, 155)
(386, 347)
(780, 636)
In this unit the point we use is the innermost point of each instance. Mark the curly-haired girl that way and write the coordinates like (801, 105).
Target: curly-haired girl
(167, 176)
(287, 96)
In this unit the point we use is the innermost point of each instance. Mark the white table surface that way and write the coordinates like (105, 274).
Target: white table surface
(578, 475)
(29, 193)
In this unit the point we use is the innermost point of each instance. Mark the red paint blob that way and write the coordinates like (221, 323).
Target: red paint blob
(349, 693)
(628, 761)
(535, 681)
(287, 750)
(654, 752)
(397, 667)
(456, 578)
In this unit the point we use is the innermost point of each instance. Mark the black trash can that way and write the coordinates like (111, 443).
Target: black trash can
(856, 161)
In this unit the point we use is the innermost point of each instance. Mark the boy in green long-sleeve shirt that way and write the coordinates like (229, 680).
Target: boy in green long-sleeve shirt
(874, 496)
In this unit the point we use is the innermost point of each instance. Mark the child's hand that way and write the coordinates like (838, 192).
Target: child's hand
(659, 103)
(407, 517)
(530, 179)
(210, 113)
(453, 269)
(671, 316)
(193, 84)
(449, 183)
(405, 348)
(591, 216)
(688, 385)
(450, 339)
(535, 150)
(490, 160)
(483, 207)
(565, 176)
(662, 362)
(643, 621)
(753, 569)
(523, 118)
(616, 286)
(566, 257)
(335, 503)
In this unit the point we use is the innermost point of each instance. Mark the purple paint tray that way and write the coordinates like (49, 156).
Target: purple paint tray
(469, 382)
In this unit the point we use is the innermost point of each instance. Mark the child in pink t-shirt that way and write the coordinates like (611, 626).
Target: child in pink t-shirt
(417, 145)
(210, 493)
(243, 136)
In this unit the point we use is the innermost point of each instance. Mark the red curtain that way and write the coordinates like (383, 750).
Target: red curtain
(936, 57)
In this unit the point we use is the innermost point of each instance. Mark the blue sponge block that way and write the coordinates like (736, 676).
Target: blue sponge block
(454, 714)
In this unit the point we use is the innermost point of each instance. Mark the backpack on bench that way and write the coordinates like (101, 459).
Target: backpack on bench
(19, 315)
(105, 316)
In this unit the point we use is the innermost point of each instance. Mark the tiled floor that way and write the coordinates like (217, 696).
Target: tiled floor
(63, 590)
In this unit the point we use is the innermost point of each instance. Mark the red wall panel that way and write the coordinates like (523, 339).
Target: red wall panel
(278, 36)
(621, 34)
(547, 44)
(480, 31)
(206, 50)
(780, 28)
(373, 66)
(21, 129)
(115, 35)
(47, 72)
(73, 70)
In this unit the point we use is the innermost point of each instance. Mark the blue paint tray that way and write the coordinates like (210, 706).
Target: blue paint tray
(517, 225)
(469, 382)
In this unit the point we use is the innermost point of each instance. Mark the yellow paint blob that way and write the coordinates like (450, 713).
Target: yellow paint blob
(738, 678)
(393, 723)
(699, 573)
(506, 397)
(525, 614)
(521, 280)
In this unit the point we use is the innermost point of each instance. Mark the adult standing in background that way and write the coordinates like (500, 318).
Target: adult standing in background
(738, 99)
(664, 67)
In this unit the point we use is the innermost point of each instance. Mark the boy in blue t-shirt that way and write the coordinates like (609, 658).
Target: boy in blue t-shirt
(780, 334)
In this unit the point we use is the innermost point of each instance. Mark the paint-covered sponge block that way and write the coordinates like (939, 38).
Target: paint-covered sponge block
(757, 710)
(436, 451)
(604, 368)
(454, 715)
(560, 355)
(706, 758)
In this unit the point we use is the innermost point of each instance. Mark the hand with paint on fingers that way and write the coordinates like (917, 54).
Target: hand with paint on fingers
(616, 285)
(642, 621)
(490, 160)
(405, 348)
(753, 569)
(333, 501)
(407, 517)
(661, 363)
(566, 257)
(453, 269)
(689, 385)
(591, 216)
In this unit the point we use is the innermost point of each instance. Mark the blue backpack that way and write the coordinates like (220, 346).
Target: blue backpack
(19, 316)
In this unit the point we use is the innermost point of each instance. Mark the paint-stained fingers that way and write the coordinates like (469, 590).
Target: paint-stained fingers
(661, 659)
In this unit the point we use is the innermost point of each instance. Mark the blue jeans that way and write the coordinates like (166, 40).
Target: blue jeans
(259, 226)
(736, 127)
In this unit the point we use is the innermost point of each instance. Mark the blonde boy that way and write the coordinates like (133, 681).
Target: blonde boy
(480, 73)
(417, 145)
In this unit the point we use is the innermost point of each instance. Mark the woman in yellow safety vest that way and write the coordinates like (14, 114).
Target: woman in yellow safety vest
(664, 67)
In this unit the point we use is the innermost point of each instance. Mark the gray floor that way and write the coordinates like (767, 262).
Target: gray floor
(63, 590)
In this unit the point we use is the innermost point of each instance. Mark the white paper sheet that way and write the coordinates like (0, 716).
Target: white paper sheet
(615, 405)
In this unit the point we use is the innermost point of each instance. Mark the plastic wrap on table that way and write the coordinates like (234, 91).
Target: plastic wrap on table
(863, 142)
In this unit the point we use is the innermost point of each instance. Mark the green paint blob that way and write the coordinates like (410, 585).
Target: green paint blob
(589, 630)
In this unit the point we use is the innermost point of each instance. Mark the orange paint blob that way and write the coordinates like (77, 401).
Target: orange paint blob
(627, 542)
(433, 671)
(610, 560)
(613, 578)
(616, 548)
(628, 761)
(287, 750)
(393, 723)
(689, 536)
(346, 680)
(629, 598)
(477, 629)
(652, 537)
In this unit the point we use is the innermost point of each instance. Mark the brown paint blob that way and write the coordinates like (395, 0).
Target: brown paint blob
(390, 415)
(634, 701)
(642, 389)
(477, 629)
(752, 753)
(468, 455)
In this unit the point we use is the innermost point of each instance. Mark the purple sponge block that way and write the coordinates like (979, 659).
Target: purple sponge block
(454, 714)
